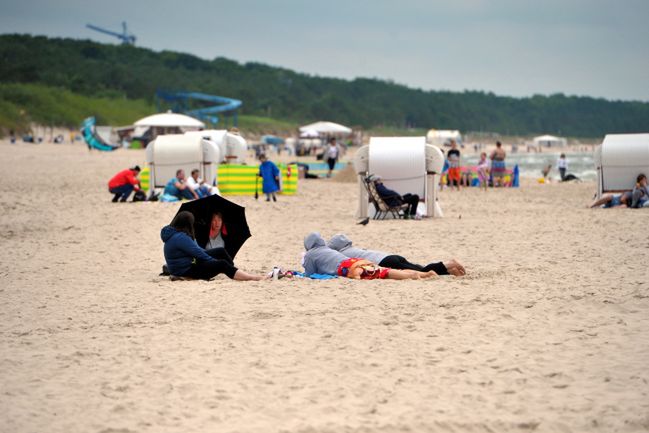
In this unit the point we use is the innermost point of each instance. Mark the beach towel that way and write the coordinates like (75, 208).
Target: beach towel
(314, 276)
(168, 198)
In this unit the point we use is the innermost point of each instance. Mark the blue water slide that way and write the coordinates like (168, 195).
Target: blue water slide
(92, 139)
(180, 103)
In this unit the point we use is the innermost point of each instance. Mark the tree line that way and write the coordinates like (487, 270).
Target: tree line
(116, 71)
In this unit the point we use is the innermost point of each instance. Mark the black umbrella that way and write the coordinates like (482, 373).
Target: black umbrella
(234, 221)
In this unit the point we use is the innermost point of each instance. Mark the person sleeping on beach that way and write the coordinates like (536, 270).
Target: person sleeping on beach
(343, 244)
(186, 259)
(320, 259)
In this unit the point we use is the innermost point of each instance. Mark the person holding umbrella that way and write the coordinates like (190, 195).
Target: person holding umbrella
(186, 259)
(269, 174)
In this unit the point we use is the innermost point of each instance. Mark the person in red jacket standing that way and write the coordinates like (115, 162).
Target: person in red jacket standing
(123, 183)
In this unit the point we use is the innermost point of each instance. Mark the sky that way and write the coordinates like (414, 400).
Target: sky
(596, 48)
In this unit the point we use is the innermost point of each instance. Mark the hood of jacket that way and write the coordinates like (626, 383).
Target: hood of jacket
(313, 240)
(339, 242)
(167, 232)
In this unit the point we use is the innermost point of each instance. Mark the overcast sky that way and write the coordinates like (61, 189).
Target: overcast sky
(510, 47)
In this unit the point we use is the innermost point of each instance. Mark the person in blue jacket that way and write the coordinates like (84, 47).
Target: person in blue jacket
(186, 259)
(269, 173)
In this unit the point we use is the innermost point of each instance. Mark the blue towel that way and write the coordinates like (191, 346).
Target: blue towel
(168, 198)
(315, 276)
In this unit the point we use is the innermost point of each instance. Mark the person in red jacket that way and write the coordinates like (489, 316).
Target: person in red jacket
(123, 183)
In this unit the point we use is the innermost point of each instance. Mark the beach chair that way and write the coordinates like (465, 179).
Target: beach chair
(382, 209)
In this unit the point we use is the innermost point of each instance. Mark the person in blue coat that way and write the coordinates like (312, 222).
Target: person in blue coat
(186, 259)
(270, 177)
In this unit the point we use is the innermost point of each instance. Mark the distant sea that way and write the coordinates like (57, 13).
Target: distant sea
(530, 165)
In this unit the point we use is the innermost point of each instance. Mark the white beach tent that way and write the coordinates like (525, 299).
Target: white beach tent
(549, 141)
(169, 119)
(169, 153)
(166, 123)
(216, 136)
(232, 146)
(619, 160)
(441, 137)
(326, 128)
(406, 164)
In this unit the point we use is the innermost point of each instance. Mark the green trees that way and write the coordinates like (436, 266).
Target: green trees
(116, 72)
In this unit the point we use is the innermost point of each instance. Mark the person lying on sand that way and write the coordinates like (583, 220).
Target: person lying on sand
(612, 200)
(343, 244)
(320, 259)
(186, 259)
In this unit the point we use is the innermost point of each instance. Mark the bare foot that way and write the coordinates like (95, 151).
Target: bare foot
(429, 274)
(455, 268)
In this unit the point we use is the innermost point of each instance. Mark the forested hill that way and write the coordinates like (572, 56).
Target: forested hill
(114, 71)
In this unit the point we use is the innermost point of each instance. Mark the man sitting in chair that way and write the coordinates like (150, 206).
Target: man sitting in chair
(393, 198)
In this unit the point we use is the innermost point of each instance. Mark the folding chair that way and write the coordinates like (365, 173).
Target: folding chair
(382, 209)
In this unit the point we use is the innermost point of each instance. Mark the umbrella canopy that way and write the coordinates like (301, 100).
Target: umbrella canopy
(234, 221)
(170, 120)
(309, 133)
(326, 128)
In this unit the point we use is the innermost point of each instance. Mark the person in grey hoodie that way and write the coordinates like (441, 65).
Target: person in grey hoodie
(343, 244)
(319, 258)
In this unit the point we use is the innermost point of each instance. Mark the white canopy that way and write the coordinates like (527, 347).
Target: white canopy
(441, 137)
(549, 141)
(168, 119)
(326, 128)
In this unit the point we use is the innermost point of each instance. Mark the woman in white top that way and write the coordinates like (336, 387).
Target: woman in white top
(562, 165)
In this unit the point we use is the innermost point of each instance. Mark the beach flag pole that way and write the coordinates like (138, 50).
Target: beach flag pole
(256, 187)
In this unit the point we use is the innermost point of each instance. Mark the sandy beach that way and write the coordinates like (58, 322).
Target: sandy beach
(547, 332)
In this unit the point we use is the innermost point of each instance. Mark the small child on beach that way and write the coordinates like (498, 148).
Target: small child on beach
(483, 171)
(269, 173)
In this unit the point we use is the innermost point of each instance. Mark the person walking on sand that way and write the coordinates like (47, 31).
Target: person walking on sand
(332, 154)
(123, 183)
(269, 174)
(320, 259)
(454, 171)
(498, 166)
(185, 258)
(343, 244)
(562, 165)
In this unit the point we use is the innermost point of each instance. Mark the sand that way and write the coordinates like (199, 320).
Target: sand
(547, 332)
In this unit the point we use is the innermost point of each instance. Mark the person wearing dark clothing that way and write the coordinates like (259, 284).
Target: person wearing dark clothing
(186, 259)
(393, 198)
(343, 244)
